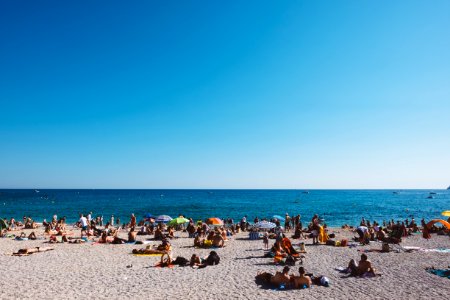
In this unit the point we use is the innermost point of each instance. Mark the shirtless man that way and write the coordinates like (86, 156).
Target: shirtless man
(302, 281)
(132, 235)
(281, 278)
(364, 266)
(218, 240)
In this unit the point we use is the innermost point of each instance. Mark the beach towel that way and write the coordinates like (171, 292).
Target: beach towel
(440, 250)
(440, 272)
(153, 254)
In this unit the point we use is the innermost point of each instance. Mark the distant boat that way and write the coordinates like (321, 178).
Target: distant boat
(432, 193)
(36, 191)
(307, 192)
(395, 193)
(430, 197)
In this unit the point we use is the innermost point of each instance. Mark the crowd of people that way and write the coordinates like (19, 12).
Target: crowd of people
(206, 236)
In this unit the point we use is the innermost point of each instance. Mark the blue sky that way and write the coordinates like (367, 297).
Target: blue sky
(225, 94)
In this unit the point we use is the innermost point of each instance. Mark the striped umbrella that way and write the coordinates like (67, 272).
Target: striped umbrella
(265, 225)
(214, 221)
(163, 219)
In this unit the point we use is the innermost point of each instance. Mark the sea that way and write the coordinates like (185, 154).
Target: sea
(336, 207)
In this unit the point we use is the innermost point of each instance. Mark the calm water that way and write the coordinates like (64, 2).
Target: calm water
(336, 206)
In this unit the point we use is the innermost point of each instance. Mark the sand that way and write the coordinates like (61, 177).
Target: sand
(78, 271)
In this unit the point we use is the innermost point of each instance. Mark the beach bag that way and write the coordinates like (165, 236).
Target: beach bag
(385, 247)
(331, 243)
(290, 261)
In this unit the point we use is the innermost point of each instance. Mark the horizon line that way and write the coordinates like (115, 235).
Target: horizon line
(300, 189)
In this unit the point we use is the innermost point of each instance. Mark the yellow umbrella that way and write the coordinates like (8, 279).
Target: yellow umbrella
(446, 213)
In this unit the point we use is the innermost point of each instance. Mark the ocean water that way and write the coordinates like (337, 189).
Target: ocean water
(335, 206)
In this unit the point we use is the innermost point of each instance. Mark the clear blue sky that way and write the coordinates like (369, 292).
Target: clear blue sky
(225, 94)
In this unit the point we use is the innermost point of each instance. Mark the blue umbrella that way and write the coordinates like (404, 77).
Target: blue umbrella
(163, 219)
(148, 216)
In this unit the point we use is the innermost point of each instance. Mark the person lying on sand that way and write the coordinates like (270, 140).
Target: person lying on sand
(164, 248)
(28, 251)
(212, 259)
(76, 241)
(302, 281)
(195, 260)
(364, 267)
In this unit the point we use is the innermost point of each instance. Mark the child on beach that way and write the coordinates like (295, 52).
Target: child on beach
(266, 240)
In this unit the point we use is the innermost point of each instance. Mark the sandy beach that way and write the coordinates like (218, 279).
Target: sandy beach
(75, 271)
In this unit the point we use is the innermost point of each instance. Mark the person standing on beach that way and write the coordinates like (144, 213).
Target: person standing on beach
(133, 220)
(266, 240)
(425, 232)
(287, 222)
(89, 217)
(315, 229)
(111, 221)
(84, 224)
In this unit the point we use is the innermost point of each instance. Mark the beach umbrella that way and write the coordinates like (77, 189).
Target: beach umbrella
(279, 218)
(446, 213)
(177, 221)
(163, 219)
(265, 225)
(214, 221)
(148, 216)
